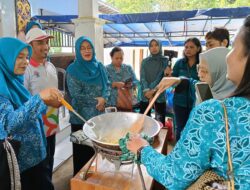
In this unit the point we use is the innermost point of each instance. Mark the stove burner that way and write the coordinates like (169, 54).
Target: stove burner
(112, 156)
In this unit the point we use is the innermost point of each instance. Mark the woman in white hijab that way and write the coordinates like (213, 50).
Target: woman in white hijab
(212, 69)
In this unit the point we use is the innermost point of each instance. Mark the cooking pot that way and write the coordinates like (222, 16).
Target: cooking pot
(110, 127)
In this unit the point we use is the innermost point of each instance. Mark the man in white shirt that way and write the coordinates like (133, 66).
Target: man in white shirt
(41, 74)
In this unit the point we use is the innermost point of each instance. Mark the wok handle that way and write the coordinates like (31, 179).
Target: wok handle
(66, 104)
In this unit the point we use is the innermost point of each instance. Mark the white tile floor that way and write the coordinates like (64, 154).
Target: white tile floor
(63, 152)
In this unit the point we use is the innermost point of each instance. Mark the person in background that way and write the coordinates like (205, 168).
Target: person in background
(21, 113)
(185, 67)
(152, 71)
(120, 75)
(32, 24)
(219, 37)
(89, 91)
(202, 145)
(41, 74)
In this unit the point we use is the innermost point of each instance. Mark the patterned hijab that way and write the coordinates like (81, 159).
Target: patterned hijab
(11, 85)
(87, 71)
(217, 67)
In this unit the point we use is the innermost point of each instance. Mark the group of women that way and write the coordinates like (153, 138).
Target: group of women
(203, 142)
(92, 87)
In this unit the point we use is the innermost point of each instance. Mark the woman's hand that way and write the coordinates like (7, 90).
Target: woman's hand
(167, 82)
(100, 106)
(168, 71)
(128, 84)
(135, 143)
(118, 84)
(149, 94)
(51, 97)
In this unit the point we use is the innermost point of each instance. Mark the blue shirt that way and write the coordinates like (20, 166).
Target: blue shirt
(3, 133)
(126, 72)
(203, 146)
(23, 125)
(182, 69)
(83, 100)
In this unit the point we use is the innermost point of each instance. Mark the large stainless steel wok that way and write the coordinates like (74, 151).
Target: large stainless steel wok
(116, 125)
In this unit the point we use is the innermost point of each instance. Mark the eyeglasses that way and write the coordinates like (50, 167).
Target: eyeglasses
(84, 49)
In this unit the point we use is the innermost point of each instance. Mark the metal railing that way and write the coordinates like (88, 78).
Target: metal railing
(61, 38)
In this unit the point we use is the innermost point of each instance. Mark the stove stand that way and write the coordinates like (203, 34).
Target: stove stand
(112, 156)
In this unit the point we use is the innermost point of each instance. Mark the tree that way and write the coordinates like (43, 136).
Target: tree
(133, 6)
(140, 6)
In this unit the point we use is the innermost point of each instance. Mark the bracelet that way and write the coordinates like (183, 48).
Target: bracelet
(138, 154)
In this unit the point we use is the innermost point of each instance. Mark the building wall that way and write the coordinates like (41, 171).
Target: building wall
(7, 18)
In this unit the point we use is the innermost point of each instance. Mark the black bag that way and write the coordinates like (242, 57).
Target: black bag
(5, 175)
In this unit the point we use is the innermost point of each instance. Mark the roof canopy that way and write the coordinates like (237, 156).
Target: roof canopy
(172, 28)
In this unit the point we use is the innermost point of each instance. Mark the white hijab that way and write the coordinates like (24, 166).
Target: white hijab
(217, 67)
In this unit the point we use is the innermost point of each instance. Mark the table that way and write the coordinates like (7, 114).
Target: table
(104, 176)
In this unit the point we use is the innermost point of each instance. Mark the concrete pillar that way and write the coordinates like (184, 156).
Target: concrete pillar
(88, 24)
(7, 18)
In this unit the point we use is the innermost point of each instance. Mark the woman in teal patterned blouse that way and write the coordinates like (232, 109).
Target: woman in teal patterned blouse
(89, 90)
(202, 145)
(119, 73)
(21, 113)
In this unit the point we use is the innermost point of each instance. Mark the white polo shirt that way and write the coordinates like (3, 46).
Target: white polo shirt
(40, 76)
(37, 78)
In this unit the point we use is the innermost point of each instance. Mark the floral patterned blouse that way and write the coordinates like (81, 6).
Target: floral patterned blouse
(83, 99)
(3, 133)
(126, 72)
(23, 125)
(203, 146)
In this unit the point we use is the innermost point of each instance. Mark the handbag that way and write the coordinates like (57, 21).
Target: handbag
(209, 180)
(124, 99)
(9, 169)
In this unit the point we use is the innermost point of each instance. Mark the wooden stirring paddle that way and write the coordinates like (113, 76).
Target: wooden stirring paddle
(138, 124)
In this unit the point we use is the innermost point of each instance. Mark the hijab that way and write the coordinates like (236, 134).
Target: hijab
(217, 67)
(155, 64)
(11, 85)
(31, 24)
(159, 54)
(91, 72)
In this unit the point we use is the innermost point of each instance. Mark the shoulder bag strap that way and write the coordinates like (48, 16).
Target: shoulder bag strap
(230, 164)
